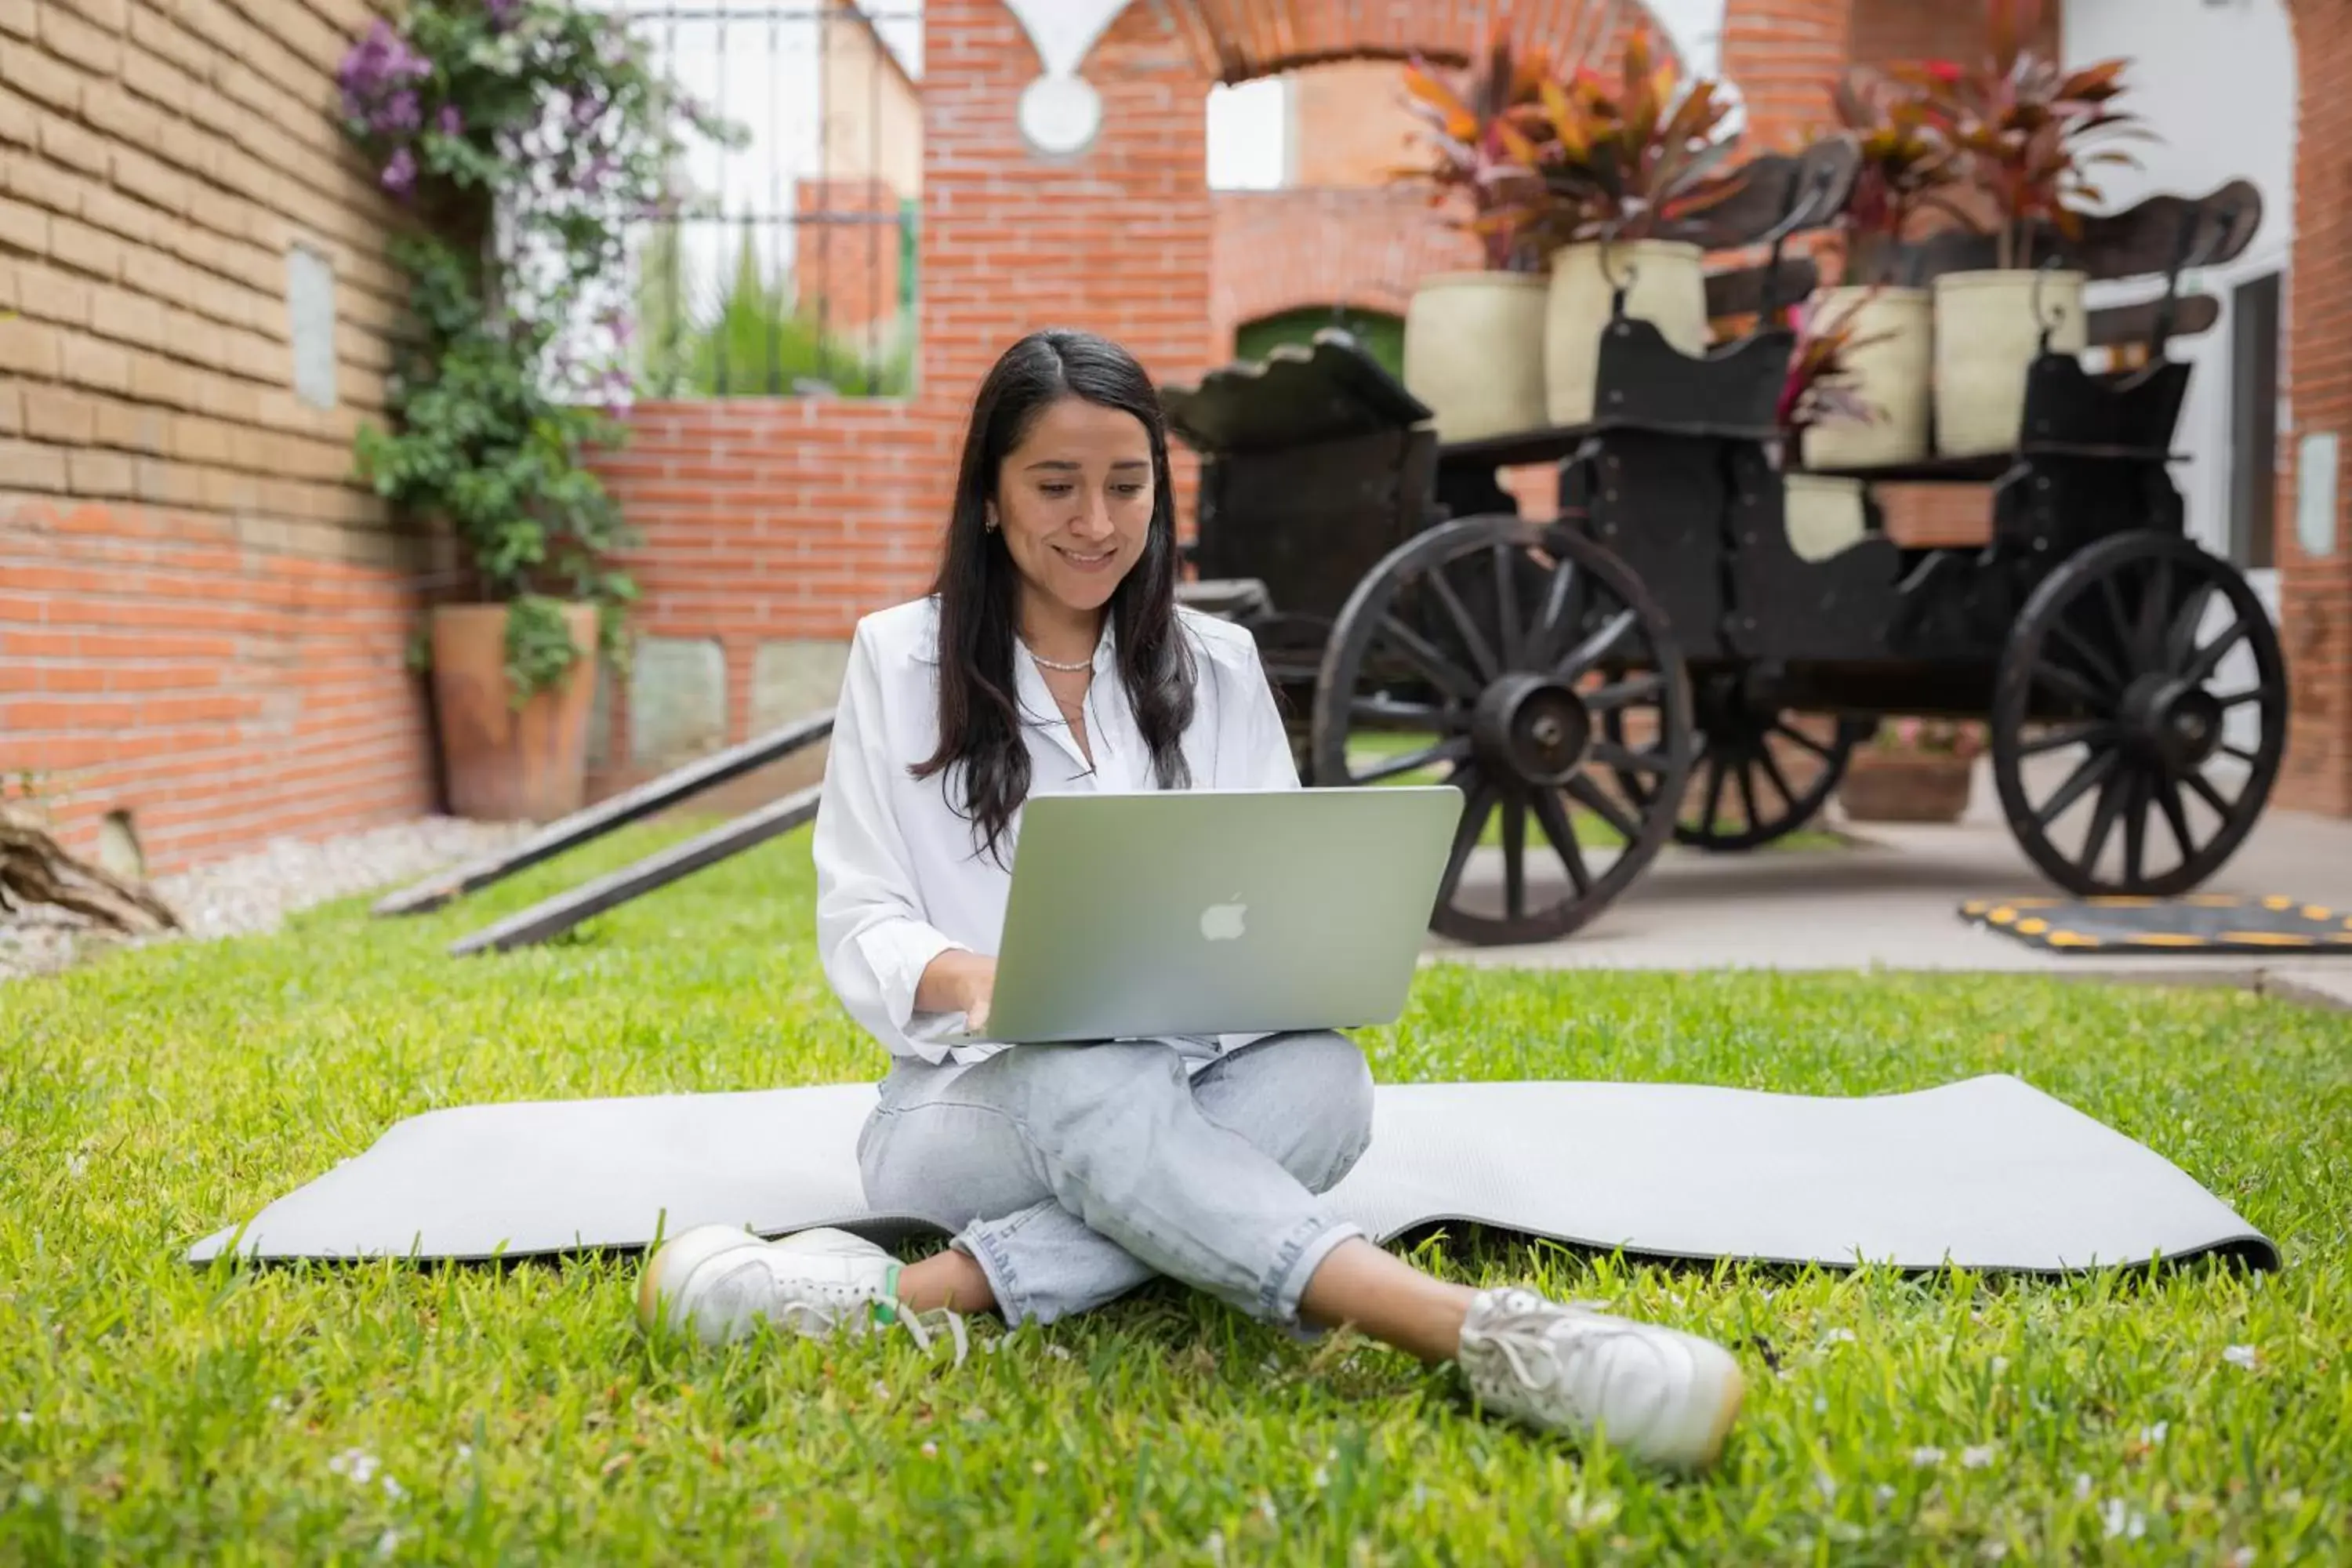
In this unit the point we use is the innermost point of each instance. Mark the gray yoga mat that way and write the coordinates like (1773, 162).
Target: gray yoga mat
(1988, 1174)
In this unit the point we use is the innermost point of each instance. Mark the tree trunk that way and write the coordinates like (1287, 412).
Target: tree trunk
(35, 868)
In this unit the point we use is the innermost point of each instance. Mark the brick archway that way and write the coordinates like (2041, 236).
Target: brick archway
(1351, 240)
(1242, 40)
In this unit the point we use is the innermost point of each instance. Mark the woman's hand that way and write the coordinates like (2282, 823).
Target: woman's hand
(959, 981)
(979, 992)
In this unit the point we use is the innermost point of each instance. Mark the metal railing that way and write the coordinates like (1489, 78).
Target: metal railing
(791, 270)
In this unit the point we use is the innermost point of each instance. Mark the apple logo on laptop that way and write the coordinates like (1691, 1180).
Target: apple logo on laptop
(1223, 922)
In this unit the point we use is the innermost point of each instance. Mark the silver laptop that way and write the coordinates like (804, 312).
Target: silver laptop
(1217, 912)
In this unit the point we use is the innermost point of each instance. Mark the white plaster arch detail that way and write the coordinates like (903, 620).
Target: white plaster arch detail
(1060, 112)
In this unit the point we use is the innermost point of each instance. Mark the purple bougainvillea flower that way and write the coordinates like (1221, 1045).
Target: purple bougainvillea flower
(452, 124)
(400, 173)
(502, 13)
(401, 114)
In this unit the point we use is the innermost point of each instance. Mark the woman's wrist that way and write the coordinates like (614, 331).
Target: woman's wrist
(954, 982)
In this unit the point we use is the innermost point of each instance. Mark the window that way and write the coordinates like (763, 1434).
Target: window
(2253, 421)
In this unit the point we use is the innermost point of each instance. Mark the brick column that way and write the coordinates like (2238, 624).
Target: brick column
(1783, 55)
(2315, 591)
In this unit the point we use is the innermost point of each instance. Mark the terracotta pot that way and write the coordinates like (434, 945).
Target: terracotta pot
(1822, 514)
(1880, 786)
(1473, 352)
(1665, 286)
(505, 763)
(1988, 335)
(1895, 376)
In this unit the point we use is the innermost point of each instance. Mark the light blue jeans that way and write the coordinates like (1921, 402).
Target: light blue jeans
(1073, 1173)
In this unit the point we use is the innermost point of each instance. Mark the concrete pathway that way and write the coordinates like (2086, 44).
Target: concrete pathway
(1890, 900)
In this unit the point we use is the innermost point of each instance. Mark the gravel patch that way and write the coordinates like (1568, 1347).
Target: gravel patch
(252, 894)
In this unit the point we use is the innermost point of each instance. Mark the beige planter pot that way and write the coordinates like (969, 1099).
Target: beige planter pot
(1824, 515)
(1473, 352)
(504, 763)
(1895, 376)
(1880, 786)
(1664, 287)
(1988, 334)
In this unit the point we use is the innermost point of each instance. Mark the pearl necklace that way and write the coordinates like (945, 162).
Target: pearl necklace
(1065, 669)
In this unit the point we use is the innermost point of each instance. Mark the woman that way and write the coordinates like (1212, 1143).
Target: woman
(1051, 656)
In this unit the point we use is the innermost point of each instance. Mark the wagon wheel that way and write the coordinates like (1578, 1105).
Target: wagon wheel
(1479, 654)
(1759, 774)
(2114, 644)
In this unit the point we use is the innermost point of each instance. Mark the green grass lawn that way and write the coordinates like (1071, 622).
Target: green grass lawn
(151, 1412)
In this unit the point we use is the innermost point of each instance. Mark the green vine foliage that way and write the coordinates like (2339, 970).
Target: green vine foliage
(528, 136)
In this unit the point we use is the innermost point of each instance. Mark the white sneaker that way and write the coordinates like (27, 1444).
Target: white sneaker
(1660, 1394)
(722, 1283)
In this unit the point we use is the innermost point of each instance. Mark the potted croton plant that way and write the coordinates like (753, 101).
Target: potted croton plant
(2025, 126)
(1824, 512)
(523, 136)
(1622, 163)
(1473, 339)
(1907, 161)
(1913, 769)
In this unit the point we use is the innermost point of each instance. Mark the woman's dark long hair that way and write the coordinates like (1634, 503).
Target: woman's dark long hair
(979, 586)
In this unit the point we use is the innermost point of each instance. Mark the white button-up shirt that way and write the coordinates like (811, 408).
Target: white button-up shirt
(900, 874)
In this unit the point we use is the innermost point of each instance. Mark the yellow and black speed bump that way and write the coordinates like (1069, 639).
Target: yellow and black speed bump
(2201, 922)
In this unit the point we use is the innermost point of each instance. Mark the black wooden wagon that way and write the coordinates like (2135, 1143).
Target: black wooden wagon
(1658, 661)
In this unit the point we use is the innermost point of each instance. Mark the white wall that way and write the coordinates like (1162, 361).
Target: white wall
(2215, 80)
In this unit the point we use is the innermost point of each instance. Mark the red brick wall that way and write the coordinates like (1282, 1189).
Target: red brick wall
(202, 618)
(226, 695)
(1363, 247)
(774, 519)
(846, 270)
(2316, 609)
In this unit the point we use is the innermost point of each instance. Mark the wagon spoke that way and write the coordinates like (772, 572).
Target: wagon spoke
(1434, 666)
(2103, 819)
(1553, 818)
(1554, 618)
(1374, 711)
(1748, 793)
(1593, 799)
(2196, 780)
(1597, 647)
(2209, 658)
(1624, 693)
(2094, 770)
(1626, 760)
(2068, 683)
(1464, 627)
(2182, 639)
(1771, 767)
(2118, 618)
(2090, 656)
(1514, 858)
(1454, 748)
(2098, 733)
(2239, 699)
(2168, 795)
(1476, 810)
(2135, 828)
(1787, 730)
(1507, 604)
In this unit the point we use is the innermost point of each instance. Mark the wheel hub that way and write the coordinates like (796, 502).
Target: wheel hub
(2173, 721)
(1533, 728)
